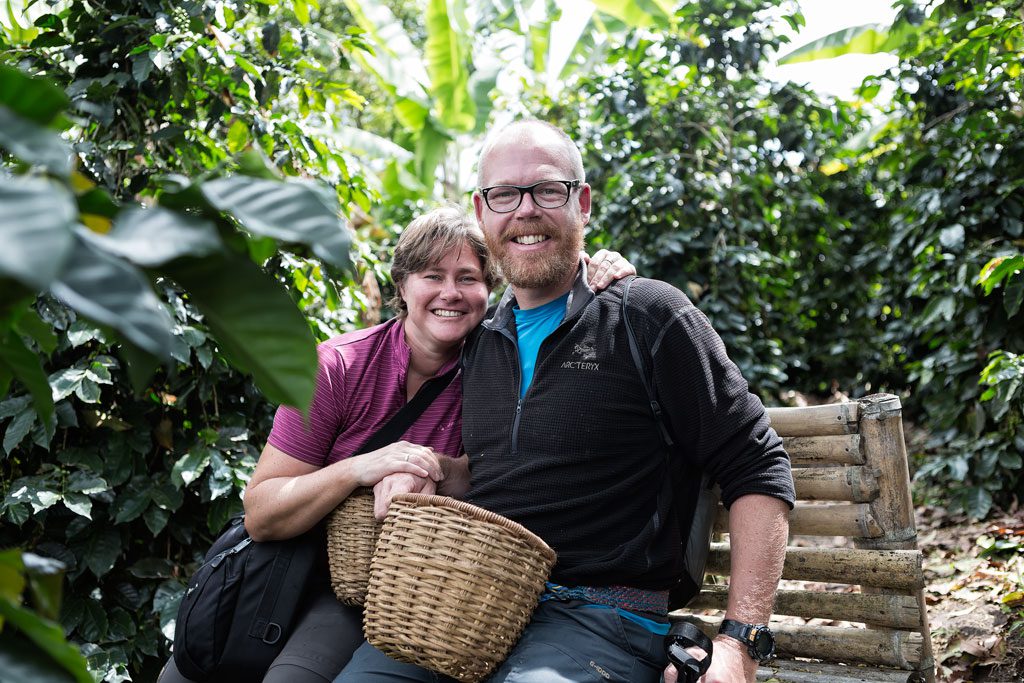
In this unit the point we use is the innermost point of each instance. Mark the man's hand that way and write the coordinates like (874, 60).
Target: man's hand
(393, 484)
(730, 664)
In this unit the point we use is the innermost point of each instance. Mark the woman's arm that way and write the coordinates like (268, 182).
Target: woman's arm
(287, 497)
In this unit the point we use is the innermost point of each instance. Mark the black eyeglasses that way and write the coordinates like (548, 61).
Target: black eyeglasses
(547, 194)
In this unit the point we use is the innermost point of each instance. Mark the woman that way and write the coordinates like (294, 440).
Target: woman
(443, 276)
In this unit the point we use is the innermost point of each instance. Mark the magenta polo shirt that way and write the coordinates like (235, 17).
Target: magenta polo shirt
(360, 384)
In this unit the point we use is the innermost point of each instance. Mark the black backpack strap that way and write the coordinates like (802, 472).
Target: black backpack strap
(641, 367)
(410, 412)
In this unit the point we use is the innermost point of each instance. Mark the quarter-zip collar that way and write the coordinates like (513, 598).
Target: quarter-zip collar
(579, 296)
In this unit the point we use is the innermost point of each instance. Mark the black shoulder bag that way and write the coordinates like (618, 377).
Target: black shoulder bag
(242, 603)
(694, 497)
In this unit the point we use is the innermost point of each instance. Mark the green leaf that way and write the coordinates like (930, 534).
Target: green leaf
(30, 324)
(79, 504)
(430, 150)
(864, 39)
(94, 624)
(25, 366)
(191, 466)
(87, 483)
(48, 637)
(101, 550)
(35, 227)
(152, 237)
(370, 144)
(156, 519)
(114, 293)
(12, 575)
(396, 62)
(18, 429)
(35, 99)
(1013, 295)
(447, 56)
(638, 13)
(153, 568)
(64, 382)
(293, 211)
(21, 661)
(165, 603)
(255, 323)
(46, 583)
(139, 365)
(978, 502)
(34, 144)
(132, 501)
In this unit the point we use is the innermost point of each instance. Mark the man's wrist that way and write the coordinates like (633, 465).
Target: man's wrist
(738, 651)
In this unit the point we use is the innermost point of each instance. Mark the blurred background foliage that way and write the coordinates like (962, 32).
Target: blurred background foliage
(193, 193)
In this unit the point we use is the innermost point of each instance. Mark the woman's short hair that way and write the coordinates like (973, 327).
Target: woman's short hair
(429, 239)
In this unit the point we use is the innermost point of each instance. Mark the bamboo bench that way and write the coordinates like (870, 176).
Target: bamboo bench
(852, 480)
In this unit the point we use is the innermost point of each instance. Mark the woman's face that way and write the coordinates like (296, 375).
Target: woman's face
(445, 301)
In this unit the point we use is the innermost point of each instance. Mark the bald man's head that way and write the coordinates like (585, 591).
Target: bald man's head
(531, 131)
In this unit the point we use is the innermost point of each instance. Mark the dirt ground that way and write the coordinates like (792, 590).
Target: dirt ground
(975, 595)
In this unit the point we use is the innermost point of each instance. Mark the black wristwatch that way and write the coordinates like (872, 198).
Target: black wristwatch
(758, 638)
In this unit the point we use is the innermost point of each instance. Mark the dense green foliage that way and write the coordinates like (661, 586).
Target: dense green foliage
(954, 164)
(165, 172)
(186, 161)
(829, 258)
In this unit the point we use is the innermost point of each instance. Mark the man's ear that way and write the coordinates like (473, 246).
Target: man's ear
(478, 208)
(585, 202)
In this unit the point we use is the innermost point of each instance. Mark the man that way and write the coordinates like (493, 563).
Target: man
(561, 438)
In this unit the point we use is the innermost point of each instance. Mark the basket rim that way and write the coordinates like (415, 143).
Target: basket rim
(480, 514)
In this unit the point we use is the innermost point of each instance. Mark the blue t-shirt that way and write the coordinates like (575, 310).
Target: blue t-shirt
(532, 327)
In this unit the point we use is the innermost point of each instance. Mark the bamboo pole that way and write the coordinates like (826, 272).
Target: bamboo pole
(856, 484)
(835, 418)
(812, 451)
(842, 519)
(877, 647)
(893, 611)
(795, 671)
(895, 569)
(885, 451)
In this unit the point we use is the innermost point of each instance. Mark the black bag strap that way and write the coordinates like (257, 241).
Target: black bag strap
(683, 635)
(409, 413)
(641, 367)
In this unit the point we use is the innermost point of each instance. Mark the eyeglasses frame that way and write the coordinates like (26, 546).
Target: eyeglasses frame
(570, 185)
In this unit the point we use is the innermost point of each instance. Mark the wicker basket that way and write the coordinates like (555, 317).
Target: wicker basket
(452, 585)
(351, 535)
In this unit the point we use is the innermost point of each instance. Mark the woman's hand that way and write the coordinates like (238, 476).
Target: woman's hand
(393, 484)
(605, 267)
(369, 468)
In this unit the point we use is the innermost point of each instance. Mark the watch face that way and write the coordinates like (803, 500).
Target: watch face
(764, 643)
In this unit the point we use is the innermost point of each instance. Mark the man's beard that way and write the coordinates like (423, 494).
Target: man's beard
(542, 270)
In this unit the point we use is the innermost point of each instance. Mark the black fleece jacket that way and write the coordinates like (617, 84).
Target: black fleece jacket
(579, 460)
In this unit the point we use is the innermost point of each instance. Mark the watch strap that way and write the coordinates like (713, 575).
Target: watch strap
(747, 634)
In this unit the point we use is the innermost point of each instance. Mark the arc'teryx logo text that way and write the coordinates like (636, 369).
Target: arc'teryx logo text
(587, 352)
